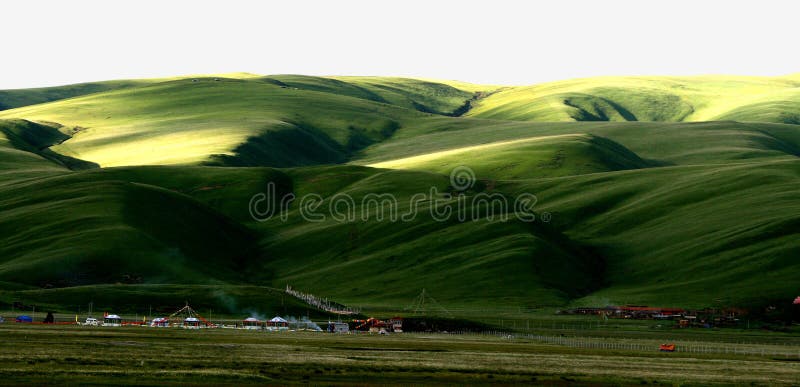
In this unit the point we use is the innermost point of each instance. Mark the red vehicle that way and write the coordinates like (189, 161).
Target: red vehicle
(666, 347)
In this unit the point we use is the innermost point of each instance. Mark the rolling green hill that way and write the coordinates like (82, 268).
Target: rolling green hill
(705, 98)
(216, 120)
(18, 156)
(147, 185)
(545, 156)
(113, 231)
(15, 98)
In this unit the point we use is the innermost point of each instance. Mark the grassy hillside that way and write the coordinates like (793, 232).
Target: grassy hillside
(142, 187)
(243, 121)
(20, 156)
(703, 98)
(76, 230)
(219, 121)
(291, 120)
(612, 236)
(699, 235)
(545, 156)
(424, 96)
(459, 261)
(658, 144)
(174, 238)
(10, 99)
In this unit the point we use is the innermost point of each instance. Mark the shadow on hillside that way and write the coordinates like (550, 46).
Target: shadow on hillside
(300, 144)
(284, 147)
(37, 138)
(618, 157)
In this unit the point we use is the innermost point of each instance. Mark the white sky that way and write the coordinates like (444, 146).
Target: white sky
(504, 42)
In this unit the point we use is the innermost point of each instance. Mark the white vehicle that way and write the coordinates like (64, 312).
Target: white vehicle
(91, 321)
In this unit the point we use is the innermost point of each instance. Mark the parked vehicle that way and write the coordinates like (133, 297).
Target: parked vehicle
(91, 321)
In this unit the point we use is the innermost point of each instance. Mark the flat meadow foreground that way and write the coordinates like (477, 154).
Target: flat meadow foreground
(149, 356)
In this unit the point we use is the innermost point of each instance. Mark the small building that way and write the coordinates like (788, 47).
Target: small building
(160, 322)
(371, 325)
(277, 323)
(338, 327)
(251, 323)
(112, 320)
(378, 326)
(191, 323)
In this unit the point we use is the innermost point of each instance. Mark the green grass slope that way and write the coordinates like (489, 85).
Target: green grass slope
(291, 120)
(217, 120)
(545, 156)
(687, 235)
(694, 236)
(658, 144)
(462, 260)
(14, 98)
(702, 98)
(76, 230)
(19, 155)
(660, 212)
(425, 96)
(183, 232)
(640, 236)
(10, 99)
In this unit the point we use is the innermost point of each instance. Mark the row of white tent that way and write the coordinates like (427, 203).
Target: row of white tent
(276, 323)
(113, 320)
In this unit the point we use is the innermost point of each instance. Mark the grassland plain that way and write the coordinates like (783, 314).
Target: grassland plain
(660, 211)
(146, 356)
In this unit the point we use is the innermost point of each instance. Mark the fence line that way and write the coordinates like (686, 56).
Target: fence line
(639, 345)
(322, 303)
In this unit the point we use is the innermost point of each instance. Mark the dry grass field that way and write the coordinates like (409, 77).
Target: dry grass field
(149, 356)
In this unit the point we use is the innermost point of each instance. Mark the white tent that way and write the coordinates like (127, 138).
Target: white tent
(251, 323)
(112, 320)
(191, 323)
(277, 323)
(159, 322)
